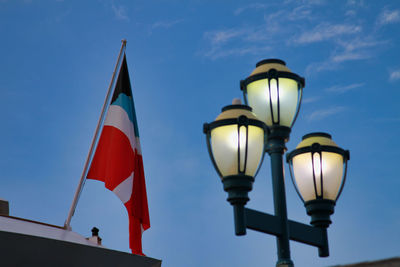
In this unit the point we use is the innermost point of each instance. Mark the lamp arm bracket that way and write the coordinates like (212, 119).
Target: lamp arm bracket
(270, 224)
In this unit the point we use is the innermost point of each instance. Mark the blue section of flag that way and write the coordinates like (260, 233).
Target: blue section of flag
(126, 102)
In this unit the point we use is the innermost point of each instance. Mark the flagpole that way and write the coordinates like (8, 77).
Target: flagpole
(92, 146)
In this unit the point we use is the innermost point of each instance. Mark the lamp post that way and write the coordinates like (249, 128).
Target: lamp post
(235, 141)
(318, 166)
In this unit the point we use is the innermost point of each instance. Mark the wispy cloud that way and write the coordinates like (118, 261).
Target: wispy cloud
(279, 20)
(394, 75)
(353, 7)
(257, 38)
(334, 61)
(342, 89)
(166, 24)
(350, 13)
(325, 31)
(120, 12)
(359, 43)
(316, 67)
(300, 12)
(295, 24)
(388, 16)
(355, 3)
(356, 48)
(323, 113)
(308, 100)
(223, 36)
(303, 2)
(235, 41)
(347, 56)
(258, 6)
(219, 52)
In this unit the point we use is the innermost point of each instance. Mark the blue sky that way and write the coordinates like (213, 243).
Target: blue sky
(186, 59)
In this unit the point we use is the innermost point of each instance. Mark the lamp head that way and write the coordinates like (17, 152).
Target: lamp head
(318, 168)
(274, 92)
(235, 142)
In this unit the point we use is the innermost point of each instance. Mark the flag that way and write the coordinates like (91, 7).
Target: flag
(118, 159)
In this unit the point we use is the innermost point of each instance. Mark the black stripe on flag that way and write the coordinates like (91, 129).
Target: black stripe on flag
(123, 82)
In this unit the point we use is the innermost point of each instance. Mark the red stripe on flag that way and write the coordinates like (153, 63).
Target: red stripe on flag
(113, 162)
(138, 208)
(114, 158)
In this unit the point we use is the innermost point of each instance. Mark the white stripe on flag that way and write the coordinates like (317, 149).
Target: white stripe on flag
(118, 118)
(138, 147)
(124, 189)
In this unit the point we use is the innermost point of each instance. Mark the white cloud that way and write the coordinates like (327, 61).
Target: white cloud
(316, 67)
(323, 113)
(218, 52)
(223, 36)
(260, 37)
(308, 100)
(347, 56)
(357, 48)
(240, 10)
(300, 12)
(304, 2)
(394, 75)
(354, 49)
(290, 26)
(326, 31)
(120, 12)
(166, 24)
(350, 13)
(342, 89)
(334, 61)
(355, 3)
(279, 20)
(359, 43)
(235, 41)
(389, 16)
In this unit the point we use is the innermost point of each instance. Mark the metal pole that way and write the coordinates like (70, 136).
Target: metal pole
(276, 148)
(324, 250)
(240, 219)
(95, 137)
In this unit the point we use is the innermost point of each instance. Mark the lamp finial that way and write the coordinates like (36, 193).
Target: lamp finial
(236, 101)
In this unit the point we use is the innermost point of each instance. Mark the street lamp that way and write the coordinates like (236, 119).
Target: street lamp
(318, 165)
(235, 142)
(274, 92)
(318, 170)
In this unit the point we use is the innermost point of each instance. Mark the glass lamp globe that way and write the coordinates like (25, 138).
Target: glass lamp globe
(235, 141)
(274, 92)
(318, 168)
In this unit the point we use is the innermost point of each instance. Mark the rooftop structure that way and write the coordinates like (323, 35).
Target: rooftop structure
(25, 242)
